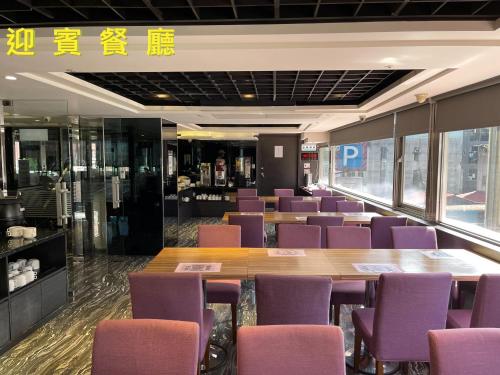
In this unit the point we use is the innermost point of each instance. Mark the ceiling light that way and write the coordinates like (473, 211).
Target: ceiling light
(247, 96)
(10, 77)
(163, 96)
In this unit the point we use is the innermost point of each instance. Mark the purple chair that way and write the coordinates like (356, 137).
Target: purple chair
(350, 206)
(321, 193)
(291, 350)
(282, 193)
(285, 203)
(299, 236)
(408, 305)
(324, 222)
(304, 206)
(347, 292)
(329, 204)
(254, 205)
(415, 237)
(252, 229)
(465, 351)
(485, 311)
(222, 291)
(292, 299)
(174, 296)
(348, 238)
(246, 193)
(124, 347)
(381, 230)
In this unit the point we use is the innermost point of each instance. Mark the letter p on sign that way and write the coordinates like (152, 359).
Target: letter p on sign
(350, 152)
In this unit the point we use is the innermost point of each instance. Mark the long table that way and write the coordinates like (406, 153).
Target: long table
(245, 263)
(275, 217)
(275, 199)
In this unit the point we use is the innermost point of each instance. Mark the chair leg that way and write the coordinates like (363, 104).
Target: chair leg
(404, 368)
(380, 367)
(206, 360)
(336, 315)
(234, 320)
(357, 351)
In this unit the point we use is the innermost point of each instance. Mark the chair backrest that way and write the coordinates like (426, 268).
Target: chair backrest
(251, 206)
(350, 206)
(414, 237)
(329, 204)
(124, 347)
(321, 193)
(218, 235)
(171, 296)
(348, 238)
(292, 299)
(299, 236)
(252, 229)
(324, 222)
(285, 203)
(246, 193)
(304, 206)
(465, 351)
(408, 305)
(284, 192)
(486, 308)
(291, 350)
(381, 230)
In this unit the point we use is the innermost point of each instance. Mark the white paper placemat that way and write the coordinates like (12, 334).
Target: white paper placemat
(286, 253)
(302, 218)
(198, 267)
(436, 254)
(376, 267)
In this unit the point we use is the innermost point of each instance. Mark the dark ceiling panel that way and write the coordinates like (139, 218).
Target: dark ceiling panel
(148, 12)
(333, 87)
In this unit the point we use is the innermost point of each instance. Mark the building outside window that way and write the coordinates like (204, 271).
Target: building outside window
(471, 185)
(366, 168)
(415, 169)
(324, 165)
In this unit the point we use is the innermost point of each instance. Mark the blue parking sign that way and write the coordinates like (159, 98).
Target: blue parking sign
(350, 157)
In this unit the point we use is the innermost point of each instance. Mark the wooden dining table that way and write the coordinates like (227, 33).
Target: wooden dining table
(339, 264)
(275, 199)
(276, 217)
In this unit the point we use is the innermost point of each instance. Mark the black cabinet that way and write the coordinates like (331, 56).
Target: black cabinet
(25, 310)
(54, 292)
(4, 323)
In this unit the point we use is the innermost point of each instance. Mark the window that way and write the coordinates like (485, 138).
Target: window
(324, 165)
(415, 169)
(471, 184)
(366, 168)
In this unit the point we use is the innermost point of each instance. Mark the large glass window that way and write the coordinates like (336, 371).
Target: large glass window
(471, 186)
(324, 165)
(415, 169)
(366, 168)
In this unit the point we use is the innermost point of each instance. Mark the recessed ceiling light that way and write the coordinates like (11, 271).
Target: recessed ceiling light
(10, 77)
(163, 96)
(247, 96)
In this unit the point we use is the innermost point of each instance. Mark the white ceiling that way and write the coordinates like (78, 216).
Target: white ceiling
(450, 55)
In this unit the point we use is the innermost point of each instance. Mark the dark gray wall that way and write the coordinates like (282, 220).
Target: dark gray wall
(278, 172)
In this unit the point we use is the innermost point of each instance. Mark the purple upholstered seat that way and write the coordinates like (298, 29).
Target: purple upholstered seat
(329, 204)
(144, 346)
(251, 205)
(171, 297)
(282, 193)
(304, 206)
(285, 203)
(291, 350)
(321, 193)
(381, 230)
(246, 192)
(252, 229)
(222, 291)
(415, 237)
(347, 292)
(348, 238)
(485, 311)
(292, 299)
(465, 351)
(299, 236)
(324, 222)
(350, 206)
(407, 306)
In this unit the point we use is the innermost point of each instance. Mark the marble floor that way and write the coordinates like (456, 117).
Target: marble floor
(100, 287)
